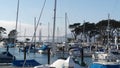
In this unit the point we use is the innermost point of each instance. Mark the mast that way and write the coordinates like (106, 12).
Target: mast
(65, 43)
(54, 23)
(58, 35)
(17, 15)
(115, 39)
(16, 21)
(40, 33)
(65, 27)
(84, 33)
(108, 30)
(48, 32)
(108, 27)
(25, 34)
(34, 34)
(34, 30)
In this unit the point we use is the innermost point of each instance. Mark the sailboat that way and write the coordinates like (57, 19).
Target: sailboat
(106, 59)
(6, 56)
(60, 63)
(25, 62)
(30, 47)
(44, 46)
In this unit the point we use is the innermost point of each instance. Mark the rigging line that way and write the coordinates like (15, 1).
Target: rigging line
(38, 22)
(36, 26)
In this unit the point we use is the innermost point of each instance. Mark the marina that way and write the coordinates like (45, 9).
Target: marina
(41, 58)
(75, 45)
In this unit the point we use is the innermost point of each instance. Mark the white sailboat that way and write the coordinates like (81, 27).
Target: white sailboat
(61, 63)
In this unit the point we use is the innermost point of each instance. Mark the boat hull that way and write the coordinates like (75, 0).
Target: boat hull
(25, 63)
(96, 65)
(6, 57)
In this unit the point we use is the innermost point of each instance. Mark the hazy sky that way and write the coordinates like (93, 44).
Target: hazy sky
(77, 11)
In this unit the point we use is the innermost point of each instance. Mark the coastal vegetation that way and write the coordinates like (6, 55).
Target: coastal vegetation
(97, 30)
(87, 29)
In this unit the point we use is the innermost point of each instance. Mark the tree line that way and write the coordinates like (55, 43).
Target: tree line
(100, 29)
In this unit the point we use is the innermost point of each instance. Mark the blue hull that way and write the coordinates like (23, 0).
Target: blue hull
(95, 65)
(27, 63)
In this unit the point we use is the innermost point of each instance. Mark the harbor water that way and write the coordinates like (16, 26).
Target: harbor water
(41, 58)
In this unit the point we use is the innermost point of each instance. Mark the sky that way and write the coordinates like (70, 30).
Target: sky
(77, 11)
